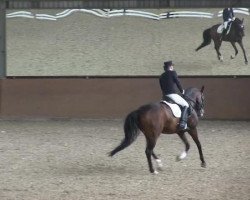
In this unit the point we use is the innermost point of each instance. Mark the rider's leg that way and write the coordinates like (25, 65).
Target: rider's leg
(184, 116)
(183, 119)
(178, 99)
(225, 25)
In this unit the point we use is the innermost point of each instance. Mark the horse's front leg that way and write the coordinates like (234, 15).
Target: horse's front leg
(194, 135)
(244, 52)
(235, 49)
(217, 44)
(187, 146)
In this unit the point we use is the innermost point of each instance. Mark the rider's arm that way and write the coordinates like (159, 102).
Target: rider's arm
(232, 11)
(176, 79)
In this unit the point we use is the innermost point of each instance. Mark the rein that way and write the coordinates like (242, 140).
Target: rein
(189, 99)
(191, 102)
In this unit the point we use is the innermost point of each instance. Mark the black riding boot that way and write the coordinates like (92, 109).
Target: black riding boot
(183, 119)
(224, 32)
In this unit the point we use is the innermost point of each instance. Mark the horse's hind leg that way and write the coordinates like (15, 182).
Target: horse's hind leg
(158, 161)
(149, 152)
(194, 135)
(187, 146)
(235, 49)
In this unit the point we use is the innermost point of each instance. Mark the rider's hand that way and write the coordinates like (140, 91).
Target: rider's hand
(183, 91)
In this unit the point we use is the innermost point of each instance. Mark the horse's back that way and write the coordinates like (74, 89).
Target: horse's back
(214, 28)
(152, 110)
(157, 117)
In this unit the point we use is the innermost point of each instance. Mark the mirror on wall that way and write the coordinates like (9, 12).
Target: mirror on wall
(106, 42)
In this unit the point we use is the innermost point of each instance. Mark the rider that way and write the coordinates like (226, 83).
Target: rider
(168, 80)
(228, 16)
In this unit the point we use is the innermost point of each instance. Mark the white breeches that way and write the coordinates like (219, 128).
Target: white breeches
(178, 99)
(226, 23)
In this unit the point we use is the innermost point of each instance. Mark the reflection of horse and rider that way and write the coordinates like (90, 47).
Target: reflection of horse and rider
(232, 30)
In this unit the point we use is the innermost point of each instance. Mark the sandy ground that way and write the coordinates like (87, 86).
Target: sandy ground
(67, 160)
(83, 44)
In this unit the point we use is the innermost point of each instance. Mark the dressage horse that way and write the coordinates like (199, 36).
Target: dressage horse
(156, 118)
(235, 35)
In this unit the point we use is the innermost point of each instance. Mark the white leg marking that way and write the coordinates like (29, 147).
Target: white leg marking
(155, 172)
(159, 163)
(183, 155)
(221, 58)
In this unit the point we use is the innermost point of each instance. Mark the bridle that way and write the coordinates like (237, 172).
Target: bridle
(195, 105)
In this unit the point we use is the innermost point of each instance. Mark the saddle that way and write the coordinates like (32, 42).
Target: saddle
(220, 28)
(175, 108)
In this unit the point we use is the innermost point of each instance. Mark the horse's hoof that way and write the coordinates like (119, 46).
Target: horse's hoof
(203, 165)
(232, 57)
(178, 158)
(246, 62)
(182, 156)
(155, 172)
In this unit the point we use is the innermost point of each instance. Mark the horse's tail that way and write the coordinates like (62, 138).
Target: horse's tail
(206, 39)
(131, 131)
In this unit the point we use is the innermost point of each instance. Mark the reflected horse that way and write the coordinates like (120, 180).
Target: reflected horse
(235, 35)
(156, 118)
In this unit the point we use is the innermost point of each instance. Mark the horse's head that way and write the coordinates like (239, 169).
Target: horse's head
(239, 27)
(196, 99)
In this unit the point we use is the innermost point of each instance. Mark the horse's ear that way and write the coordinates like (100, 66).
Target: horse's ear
(202, 89)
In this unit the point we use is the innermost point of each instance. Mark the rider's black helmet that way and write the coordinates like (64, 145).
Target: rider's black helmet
(167, 64)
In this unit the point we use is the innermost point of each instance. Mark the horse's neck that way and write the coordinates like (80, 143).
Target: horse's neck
(236, 23)
(233, 29)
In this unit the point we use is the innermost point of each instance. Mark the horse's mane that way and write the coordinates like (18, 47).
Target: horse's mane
(189, 91)
(238, 20)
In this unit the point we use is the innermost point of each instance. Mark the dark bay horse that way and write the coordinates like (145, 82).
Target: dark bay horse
(156, 118)
(234, 36)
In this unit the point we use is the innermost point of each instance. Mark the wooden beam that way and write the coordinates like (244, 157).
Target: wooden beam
(120, 4)
(2, 39)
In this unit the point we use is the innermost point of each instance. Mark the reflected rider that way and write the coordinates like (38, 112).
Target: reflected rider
(228, 16)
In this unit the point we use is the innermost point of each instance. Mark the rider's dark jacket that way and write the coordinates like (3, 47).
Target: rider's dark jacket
(228, 13)
(168, 80)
